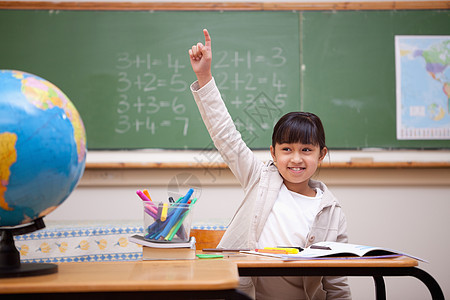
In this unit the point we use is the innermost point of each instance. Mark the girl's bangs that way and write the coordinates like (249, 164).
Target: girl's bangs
(298, 132)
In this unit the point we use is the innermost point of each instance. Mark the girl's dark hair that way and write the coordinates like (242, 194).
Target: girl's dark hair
(299, 127)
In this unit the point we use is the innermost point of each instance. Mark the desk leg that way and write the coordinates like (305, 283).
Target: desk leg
(432, 285)
(380, 288)
(376, 273)
(430, 282)
(238, 295)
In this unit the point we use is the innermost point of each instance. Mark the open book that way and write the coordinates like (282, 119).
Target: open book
(335, 250)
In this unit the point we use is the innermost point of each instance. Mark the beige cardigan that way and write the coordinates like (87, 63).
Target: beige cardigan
(261, 183)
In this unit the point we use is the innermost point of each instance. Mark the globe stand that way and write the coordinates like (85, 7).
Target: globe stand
(10, 265)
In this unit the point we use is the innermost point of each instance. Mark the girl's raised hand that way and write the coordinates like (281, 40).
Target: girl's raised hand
(201, 56)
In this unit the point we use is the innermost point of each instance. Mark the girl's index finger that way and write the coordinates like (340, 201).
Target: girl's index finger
(207, 38)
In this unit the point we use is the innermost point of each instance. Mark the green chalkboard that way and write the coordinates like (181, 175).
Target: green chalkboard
(128, 72)
(350, 74)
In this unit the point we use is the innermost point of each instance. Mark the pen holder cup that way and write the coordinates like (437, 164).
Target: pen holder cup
(168, 222)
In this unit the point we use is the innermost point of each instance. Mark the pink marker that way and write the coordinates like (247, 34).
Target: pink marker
(149, 212)
(144, 198)
(142, 195)
(151, 208)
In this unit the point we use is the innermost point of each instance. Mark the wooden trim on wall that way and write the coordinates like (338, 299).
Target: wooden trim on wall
(326, 165)
(235, 6)
(423, 177)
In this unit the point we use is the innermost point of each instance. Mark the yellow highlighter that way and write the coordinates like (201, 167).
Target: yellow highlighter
(164, 212)
(288, 250)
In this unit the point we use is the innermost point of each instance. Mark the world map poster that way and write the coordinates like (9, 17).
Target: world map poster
(423, 87)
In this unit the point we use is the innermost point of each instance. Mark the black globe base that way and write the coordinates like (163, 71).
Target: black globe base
(29, 269)
(10, 265)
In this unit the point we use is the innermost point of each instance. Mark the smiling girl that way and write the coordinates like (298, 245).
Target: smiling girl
(282, 204)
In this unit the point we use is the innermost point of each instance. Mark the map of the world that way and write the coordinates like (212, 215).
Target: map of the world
(423, 87)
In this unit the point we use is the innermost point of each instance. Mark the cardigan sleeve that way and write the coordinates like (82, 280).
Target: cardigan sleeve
(228, 141)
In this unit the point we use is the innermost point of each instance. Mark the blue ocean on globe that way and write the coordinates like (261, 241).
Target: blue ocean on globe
(42, 147)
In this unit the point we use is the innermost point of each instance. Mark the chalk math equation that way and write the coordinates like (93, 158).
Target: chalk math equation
(154, 98)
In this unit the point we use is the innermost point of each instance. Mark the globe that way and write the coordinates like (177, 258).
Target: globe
(42, 147)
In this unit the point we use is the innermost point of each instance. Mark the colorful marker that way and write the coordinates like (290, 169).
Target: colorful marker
(159, 212)
(288, 250)
(164, 212)
(271, 251)
(149, 212)
(144, 198)
(142, 195)
(176, 215)
(147, 194)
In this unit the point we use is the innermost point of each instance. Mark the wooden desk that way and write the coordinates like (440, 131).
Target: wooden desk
(199, 279)
(196, 279)
(253, 265)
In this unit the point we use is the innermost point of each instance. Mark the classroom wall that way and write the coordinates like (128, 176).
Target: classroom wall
(400, 208)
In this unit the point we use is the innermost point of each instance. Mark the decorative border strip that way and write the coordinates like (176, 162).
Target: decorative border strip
(78, 232)
(95, 231)
(84, 244)
(210, 227)
(131, 256)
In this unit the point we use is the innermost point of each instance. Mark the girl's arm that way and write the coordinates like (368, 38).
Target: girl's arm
(221, 128)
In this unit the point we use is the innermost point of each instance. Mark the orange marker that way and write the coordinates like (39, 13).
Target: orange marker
(273, 251)
(147, 194)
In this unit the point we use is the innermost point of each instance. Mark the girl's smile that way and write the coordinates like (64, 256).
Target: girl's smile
(296, 169)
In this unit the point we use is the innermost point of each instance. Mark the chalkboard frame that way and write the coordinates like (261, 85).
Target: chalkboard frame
(223, 6)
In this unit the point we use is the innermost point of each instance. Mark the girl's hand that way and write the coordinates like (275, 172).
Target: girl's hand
(201, 57)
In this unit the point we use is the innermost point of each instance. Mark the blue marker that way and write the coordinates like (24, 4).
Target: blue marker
(176, 215)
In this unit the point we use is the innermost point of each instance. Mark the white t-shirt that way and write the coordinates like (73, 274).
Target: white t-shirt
(288, 224)
(290, 220)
